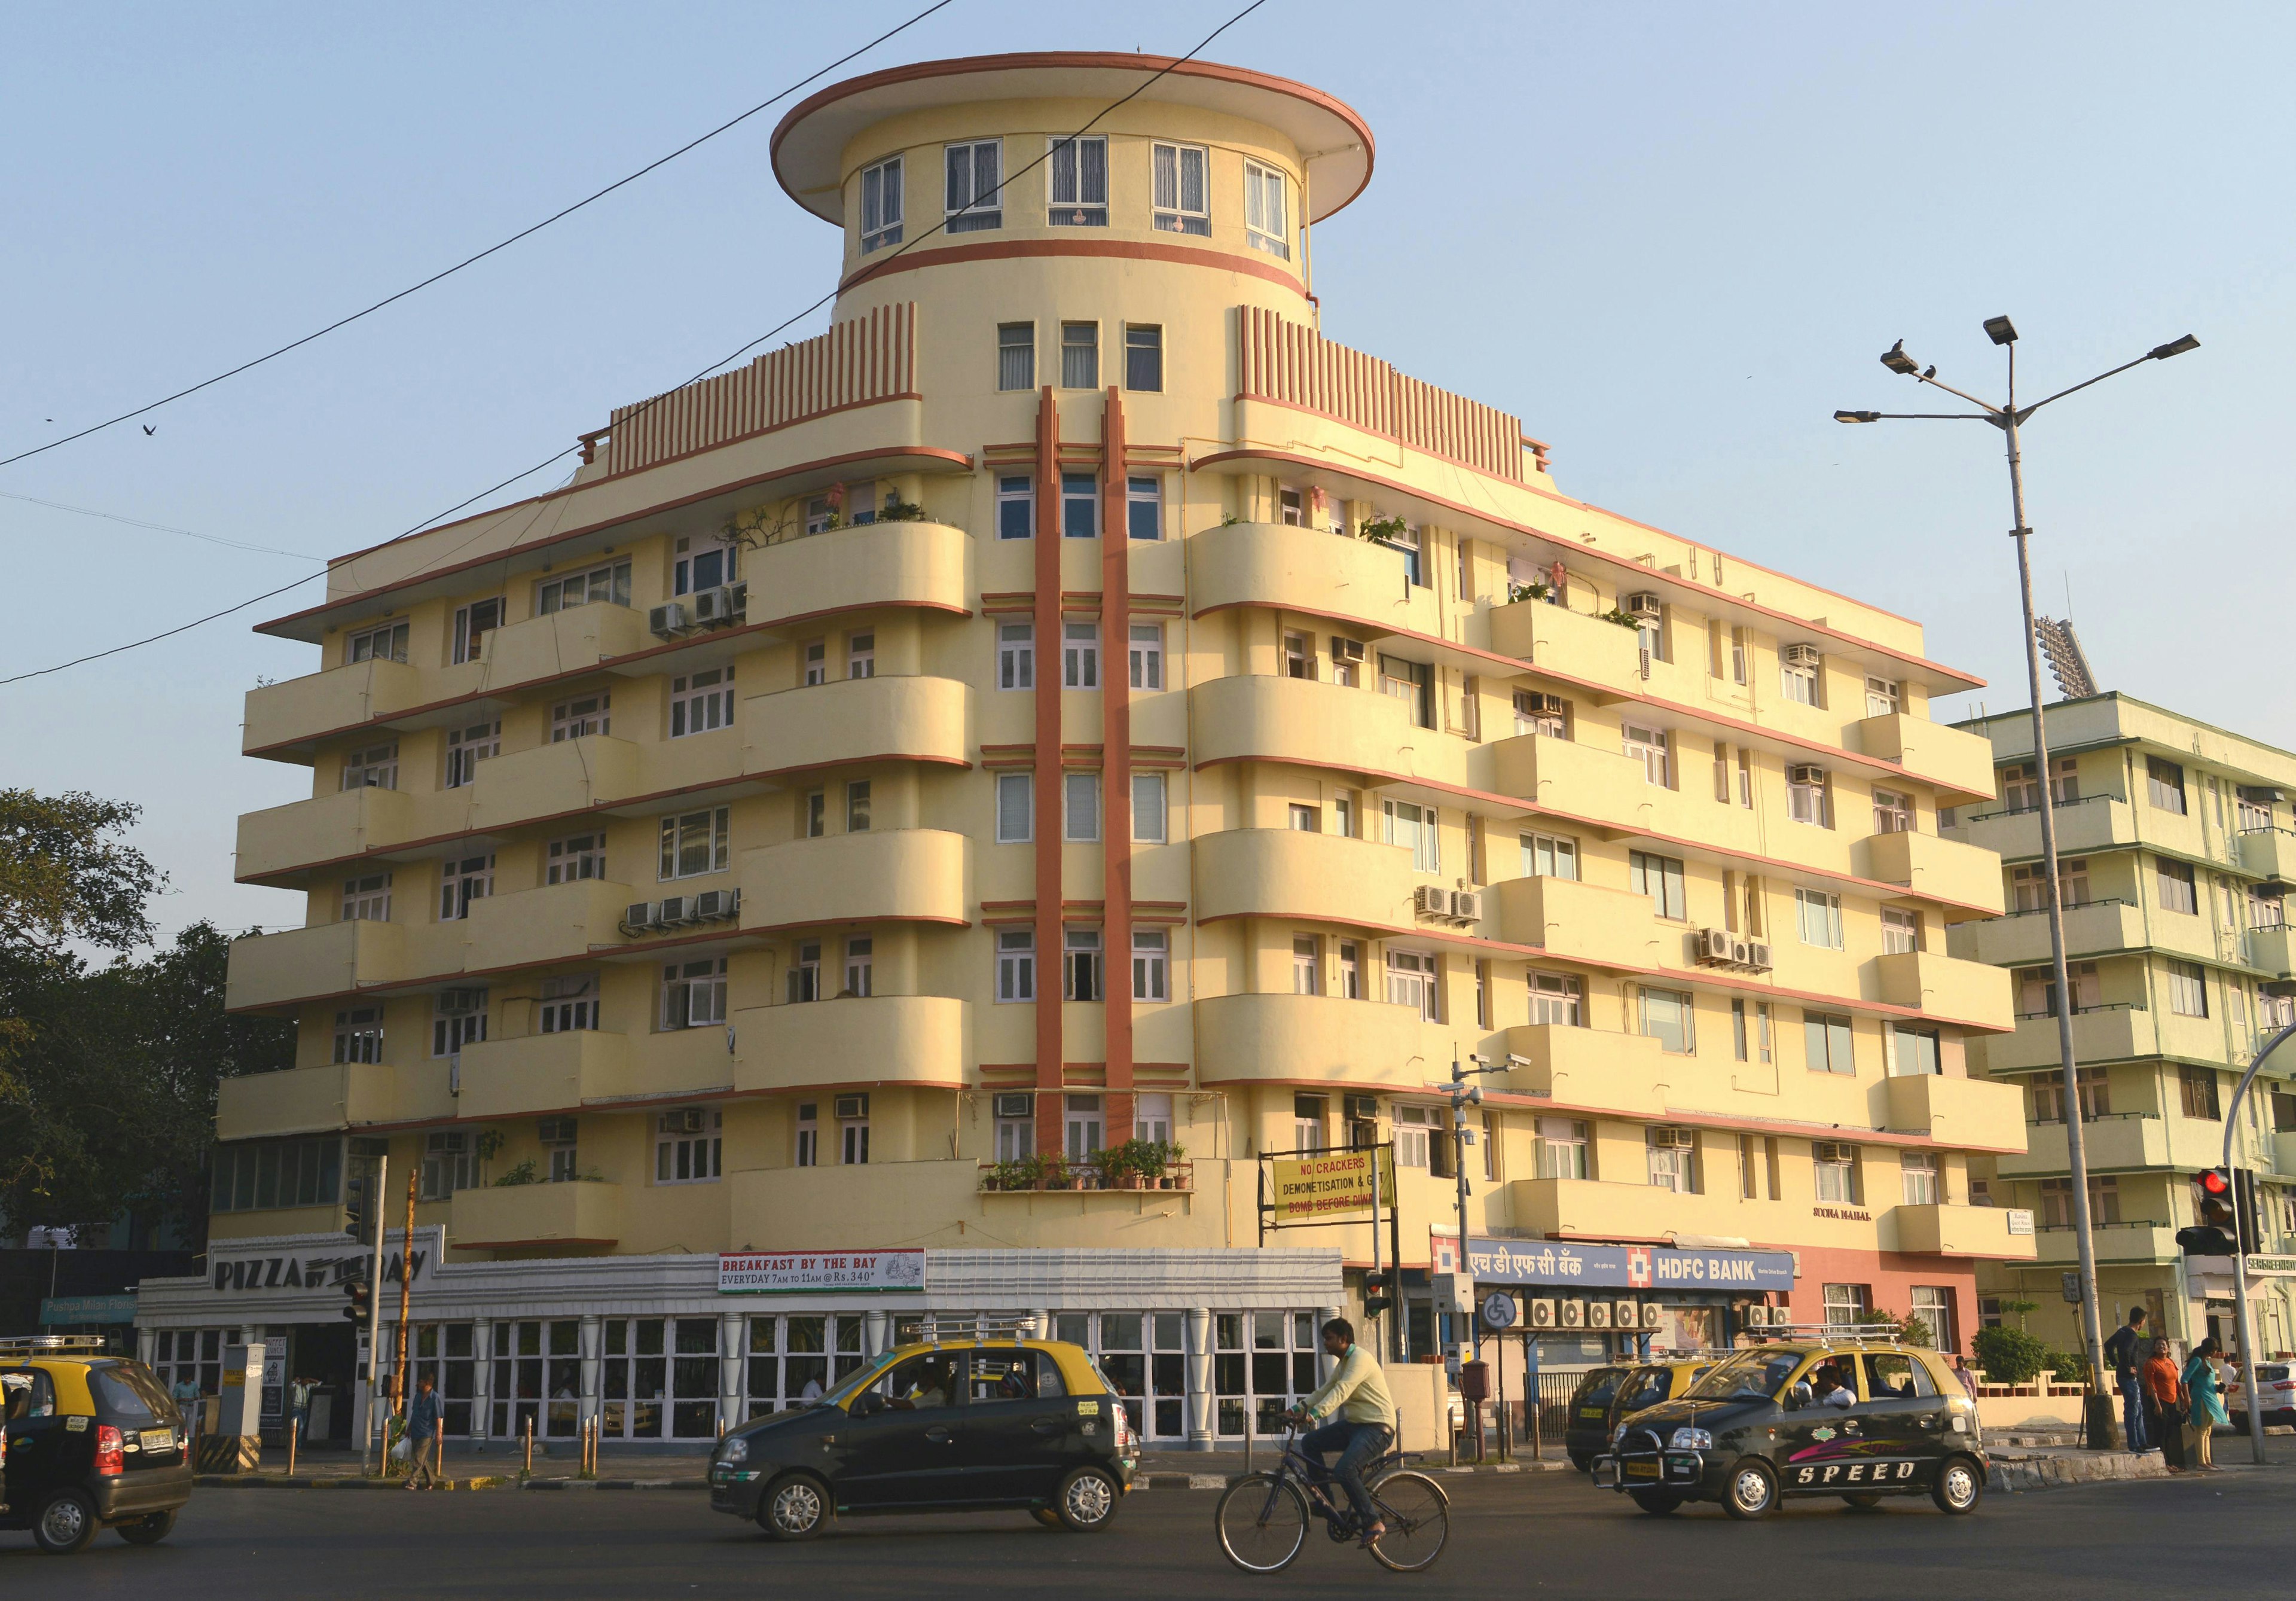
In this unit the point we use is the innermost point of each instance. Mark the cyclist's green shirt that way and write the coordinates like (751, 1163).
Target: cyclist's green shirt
(1356, 1389)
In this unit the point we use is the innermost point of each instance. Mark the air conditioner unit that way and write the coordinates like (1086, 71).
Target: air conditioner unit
(1741, 953)
(1432, 900)
(1643, 604)
(1758, 1317)
(1363, 1109)
(692, 1120)
(1800, 773)
(713, 608)
(737, 598)
(672, 912)
(1757, 956)
(1598, 1314)
(1347, 650)
(557, 1130)
(1799, 655)
(1574, 1314)
(1627, 1314)
(853, 1106)
(638, 914)
(1466, 905)
(1711, 945)
(1541, 1314)
(1015, 1106)
(1652, 1318)
(666, 620)
(713, 904)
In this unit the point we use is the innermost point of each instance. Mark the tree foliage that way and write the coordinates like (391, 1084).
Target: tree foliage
(65, 874)
(2008, 1356)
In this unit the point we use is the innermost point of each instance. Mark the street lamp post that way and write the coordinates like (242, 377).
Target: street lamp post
(1465, 1094)
(2009, 417)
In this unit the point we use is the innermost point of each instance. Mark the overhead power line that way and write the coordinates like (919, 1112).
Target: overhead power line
(161, 527)
(525, 233)
(640, 410)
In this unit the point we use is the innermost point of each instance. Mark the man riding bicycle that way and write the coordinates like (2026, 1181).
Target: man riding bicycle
(1365, 1427)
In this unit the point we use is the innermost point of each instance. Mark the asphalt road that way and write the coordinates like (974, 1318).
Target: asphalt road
(1548, 1535)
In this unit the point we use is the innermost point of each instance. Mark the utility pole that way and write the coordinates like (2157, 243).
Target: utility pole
(381, 1182)
(2246, 1318)
(405, 1293)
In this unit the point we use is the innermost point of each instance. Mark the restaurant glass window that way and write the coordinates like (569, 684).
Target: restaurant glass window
(446, 1353)
(538, 1378)
(1262, 1364)
(790, 1355)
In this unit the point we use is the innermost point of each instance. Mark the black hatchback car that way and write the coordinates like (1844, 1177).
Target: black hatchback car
(1858, 1418)
(1586, 1422)
(90, 1441)
(952, 1425)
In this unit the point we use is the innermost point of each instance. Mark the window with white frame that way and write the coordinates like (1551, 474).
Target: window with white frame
(1266, 214)
(385, 643)
(606, 585)
(1411, 981)
(1414, 1127)
(696, 842)
(701, 702)
(1845, 1305)
(1016, 965)
(1143, 497)
(1147, 655)
(1079, 368)
(1901, 930)
(694, 993)
(1893, 813)
(2164, 785)
(1081, 654)
(860, 967)
(814, 659)
(1672, 1154)
(574, 859)
(689, 1147)
(1413, 827)
(1914, 1052)
(559, 1143)
(2188, 989)
(1834, 1165)
(1143, 372)
(1086, 1127)
(808, 1125)
(1808, 800)
(374, 767)
(1413, 683)
(1016, 369)
(1654, 749)
(1563, 1149)
(458, 1017)
(1932, 1307)
(1299, 656)
(1152, 965)
(358, 1034)
(1307, 964)
(861, 655)
(1828, 1044)
(973, 197)
(1557, 998)
(1016, 655)
(1798, 681)
(1538, 712)
(462, 879)
(1082, 963)
(1347, 971)
(449, 1163)
(1016, 808)
(1921, 1177)
(570, 1003)
(1308, 1112)
(1549, 856)
(881, 205)
(468, 747)
(582, 716)
(1659, 878)
(1080, 803)
(1152, 1116)
(1306, 819)
(1148, 821)
(2252, 808)
(1347, 661)
(804, 983)
(367, 899)
(1077, 187)
(814, 818)
(1666, 1016)
(2173, 881)
(473, 624)
(1016, 1125)
(1817, 918)
(1080, 506)
(1180, 202)
(857, 805)
(1882, 697)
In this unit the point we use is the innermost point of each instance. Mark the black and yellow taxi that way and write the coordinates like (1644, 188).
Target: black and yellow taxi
(939, 1426)
(1608, 1394)
(90, 1441)
(1860, 1418)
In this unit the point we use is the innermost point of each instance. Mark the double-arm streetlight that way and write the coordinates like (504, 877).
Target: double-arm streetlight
(2009, 417)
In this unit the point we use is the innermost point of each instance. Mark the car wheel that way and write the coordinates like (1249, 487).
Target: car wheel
(1960, 1486)
(1047, 1516)
(1087, 1501)
(1584, 1463)
(1754, 1491)
(149, 1530)
(1865, 1500)
(796, 1508)
(1658, 1503)
(65, 1525)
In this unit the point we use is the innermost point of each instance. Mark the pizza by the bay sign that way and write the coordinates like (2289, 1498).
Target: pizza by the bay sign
(273, 1271)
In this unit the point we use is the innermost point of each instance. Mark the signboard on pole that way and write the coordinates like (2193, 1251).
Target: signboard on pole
(1328, 1184)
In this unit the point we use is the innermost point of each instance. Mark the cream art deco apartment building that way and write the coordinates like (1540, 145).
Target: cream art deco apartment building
(1072, 700)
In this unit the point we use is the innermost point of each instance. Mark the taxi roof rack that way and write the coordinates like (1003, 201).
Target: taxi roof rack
(945, 1326)
(1837, 1334)
(24, 1345)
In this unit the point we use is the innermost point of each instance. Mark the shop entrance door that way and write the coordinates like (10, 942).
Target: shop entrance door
(327, 1354)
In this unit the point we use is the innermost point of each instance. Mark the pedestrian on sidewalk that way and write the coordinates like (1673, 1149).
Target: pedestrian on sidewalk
(2206, 1404)
(2164, 1405)
(2125, 1350)
(423, 1416)
(298, 1406)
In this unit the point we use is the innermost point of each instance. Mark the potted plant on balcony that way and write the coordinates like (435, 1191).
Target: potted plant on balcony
(1056, 1173)
(1167, 1156)
(1622, 619)
(897, 510)
(525, 1172)
(1538, 589)
(1382, 530)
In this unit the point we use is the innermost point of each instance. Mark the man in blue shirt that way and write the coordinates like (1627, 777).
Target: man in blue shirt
(424, 1414)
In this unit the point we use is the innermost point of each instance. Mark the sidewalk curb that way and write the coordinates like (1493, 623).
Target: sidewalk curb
(328, 1482)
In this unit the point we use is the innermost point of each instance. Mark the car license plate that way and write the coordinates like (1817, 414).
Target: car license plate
(1642, 1470)
(158, 1440)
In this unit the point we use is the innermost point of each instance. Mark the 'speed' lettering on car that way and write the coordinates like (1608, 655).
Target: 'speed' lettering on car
(1853, 1473)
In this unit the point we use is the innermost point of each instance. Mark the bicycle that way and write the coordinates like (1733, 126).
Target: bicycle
(1262, 1518)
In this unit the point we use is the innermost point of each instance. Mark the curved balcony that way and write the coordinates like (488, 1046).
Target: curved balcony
(1932, 868)
(1591, 1068)
(885, 1039)
(1320, 877)
(1966, 992)
(894, 875)
(1285, 1039)
(909, 718)
(524, 1216)
(1580, 922)
(543, 1072)
(1310, 570)
(1571, 642)
(1268, 719)
(923, 565)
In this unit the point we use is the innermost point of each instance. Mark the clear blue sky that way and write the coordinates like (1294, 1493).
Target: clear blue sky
(1672, 238)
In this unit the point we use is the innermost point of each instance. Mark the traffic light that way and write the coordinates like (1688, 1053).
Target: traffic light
(2211, 1233)
(360, 1296)
(1378, 1293)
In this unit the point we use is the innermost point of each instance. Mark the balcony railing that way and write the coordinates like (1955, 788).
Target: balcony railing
(2087, 1011)
(2023, 811)
(998, 1178)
